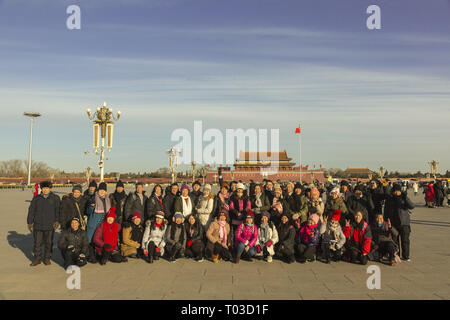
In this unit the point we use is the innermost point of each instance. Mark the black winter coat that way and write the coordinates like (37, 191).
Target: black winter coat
(134, 204)
(169, 205)
(68, 210)
(364, 204)
(286, 236)
(43, 213)
(152, 206)
(397, 209)
(77, 238)
(197, 234)
(118, 200)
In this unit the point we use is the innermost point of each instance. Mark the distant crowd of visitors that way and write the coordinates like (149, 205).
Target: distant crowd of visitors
(290, 222)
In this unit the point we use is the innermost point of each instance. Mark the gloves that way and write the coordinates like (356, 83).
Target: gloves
(55, 225)
(258, 249)
(269, 243)
(107, 246)
(71, 248)
(158, 249)
(30, 227)
(189, 243)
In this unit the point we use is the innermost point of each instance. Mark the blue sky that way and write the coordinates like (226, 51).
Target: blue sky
(363, 98)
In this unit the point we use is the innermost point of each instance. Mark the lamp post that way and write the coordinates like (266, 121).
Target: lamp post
(173, 161)
(103, 127)
(32, 115)
(193, 170)
(204, 172)
(434, 168)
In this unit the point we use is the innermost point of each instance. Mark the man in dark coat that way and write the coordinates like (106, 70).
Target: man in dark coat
(377, 193)
(72, 205)
(118, 199)
(135, 202)
(360, 202)
(74, 244)
(169, 202)
(42, 220)
(345, 191)
(397, 210)
(89, 192)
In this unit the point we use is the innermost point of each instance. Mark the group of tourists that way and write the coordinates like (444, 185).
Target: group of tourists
(290, 222)
(436, 193)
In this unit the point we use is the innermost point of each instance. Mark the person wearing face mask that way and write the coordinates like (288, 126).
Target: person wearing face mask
(72, 206)
(333, 238)
(397, 210)
(383, 240)
(98, 207)
(335, 202)
(360, 202)
(359, 237)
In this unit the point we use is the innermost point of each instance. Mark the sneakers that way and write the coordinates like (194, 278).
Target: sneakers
(406, 259)
(199, 259)
(269, 259)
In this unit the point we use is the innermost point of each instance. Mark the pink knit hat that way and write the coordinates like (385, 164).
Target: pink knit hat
(314, 217)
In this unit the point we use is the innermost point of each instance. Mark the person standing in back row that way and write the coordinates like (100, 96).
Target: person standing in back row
(136, 201)
(42, 220)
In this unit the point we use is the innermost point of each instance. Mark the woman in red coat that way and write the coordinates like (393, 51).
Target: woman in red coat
(429, 196)
(106, 237)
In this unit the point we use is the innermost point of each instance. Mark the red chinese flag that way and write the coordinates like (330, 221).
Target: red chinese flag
(297, 130)
(307, 166)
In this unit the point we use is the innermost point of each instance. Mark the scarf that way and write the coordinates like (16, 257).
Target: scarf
(258, 201)
(159, 198)
(222, 199)
(187, 205)
(173, 230)
(110, 234)
(102, 205)
(222, 232)
(264, 227)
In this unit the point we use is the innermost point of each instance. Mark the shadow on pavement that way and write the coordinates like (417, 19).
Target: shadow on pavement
(24, 242)
(431, 223)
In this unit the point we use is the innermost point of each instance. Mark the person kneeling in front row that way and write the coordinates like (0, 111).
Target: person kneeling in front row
(105, 239)
(74, 245)
(153, 241)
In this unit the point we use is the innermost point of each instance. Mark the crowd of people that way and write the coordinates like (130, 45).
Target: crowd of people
(290, 222)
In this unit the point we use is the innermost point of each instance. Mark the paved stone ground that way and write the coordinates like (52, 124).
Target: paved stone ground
(427, 276)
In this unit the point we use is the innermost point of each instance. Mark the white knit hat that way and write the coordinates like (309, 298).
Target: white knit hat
(207, 186)
(240, 186)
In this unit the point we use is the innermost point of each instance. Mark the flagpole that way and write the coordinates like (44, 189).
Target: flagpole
(300, 150)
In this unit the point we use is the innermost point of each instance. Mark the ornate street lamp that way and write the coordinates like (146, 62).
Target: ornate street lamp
(103, 127)
(173, 161)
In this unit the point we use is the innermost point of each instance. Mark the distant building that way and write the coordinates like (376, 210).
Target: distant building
(358, 172)
(257, 166)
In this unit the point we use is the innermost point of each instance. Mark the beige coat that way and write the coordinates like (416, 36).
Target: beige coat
(213, 235)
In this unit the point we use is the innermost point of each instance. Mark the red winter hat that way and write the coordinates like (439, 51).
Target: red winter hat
(250, 214)
(336, 215)
(136, 215)
(112, 213)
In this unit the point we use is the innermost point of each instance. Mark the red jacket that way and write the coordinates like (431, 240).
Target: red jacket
(429, 194)
(360, 234)
(98, 238)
